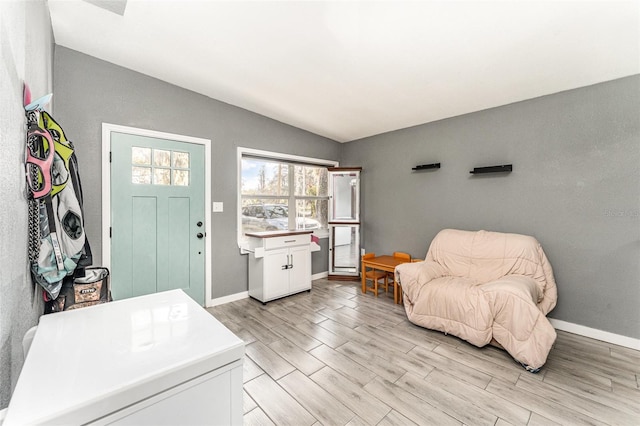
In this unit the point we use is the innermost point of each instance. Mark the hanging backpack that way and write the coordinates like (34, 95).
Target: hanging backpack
(58, 247)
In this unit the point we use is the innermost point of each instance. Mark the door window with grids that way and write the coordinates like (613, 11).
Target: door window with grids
(159, 167)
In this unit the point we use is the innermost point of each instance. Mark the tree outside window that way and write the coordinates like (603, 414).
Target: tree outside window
(269, 203)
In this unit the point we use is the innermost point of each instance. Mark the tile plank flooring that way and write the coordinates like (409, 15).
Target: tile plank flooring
(335, 356)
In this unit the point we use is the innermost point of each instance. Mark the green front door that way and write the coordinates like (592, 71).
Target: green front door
(157, 216)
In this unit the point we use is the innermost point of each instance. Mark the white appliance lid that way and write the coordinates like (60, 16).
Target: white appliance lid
(90, 362)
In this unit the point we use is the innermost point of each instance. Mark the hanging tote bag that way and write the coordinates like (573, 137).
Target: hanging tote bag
(92, 289)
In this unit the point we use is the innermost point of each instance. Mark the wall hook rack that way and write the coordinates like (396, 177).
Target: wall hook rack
(38, 104)
(427, 166)
(506, 168)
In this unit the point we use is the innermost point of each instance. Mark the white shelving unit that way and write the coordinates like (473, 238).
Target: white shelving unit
(344, 222)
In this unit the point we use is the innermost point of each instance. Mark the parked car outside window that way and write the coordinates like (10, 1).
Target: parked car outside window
(272, 217)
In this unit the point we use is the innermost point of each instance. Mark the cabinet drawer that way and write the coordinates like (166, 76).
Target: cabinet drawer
(286, 241)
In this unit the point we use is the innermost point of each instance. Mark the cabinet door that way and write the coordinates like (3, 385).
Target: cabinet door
(300, 273)
(276, 279)
(344, 194)
(344, 247)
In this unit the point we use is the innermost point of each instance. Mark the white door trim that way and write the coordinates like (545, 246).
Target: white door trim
(107, 129)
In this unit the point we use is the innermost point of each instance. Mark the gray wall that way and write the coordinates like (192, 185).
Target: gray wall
(26, 49)
(90, 91)
(575, 187)
(320, 259)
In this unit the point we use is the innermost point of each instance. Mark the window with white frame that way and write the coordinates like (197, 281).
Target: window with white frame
(280, 192)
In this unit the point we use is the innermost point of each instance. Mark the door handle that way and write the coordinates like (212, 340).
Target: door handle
(200, 235)
(290, 265)
(287, 265)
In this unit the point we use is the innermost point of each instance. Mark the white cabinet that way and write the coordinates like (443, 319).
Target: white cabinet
(275, 280)
(300, 274)
(159, 359)
(279, 264)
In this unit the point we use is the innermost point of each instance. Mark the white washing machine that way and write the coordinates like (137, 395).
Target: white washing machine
(159, 359)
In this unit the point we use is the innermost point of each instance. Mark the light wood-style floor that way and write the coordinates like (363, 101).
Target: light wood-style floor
(335, 356)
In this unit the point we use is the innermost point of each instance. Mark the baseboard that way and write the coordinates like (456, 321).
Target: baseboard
(605, 336)
(317, 276)
(351, 278)
(228, 299)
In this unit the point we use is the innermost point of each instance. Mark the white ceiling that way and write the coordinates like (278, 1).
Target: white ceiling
(351, 69)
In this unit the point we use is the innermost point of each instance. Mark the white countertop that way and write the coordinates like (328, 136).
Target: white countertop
(274, 234)
(87, 363)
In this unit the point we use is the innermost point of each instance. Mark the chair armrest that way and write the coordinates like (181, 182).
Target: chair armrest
(413, 276)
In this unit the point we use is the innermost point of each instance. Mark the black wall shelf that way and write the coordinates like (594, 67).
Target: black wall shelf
(427, 166)
(492, 169)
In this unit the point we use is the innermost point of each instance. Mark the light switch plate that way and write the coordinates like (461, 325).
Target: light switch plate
(218, 206)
